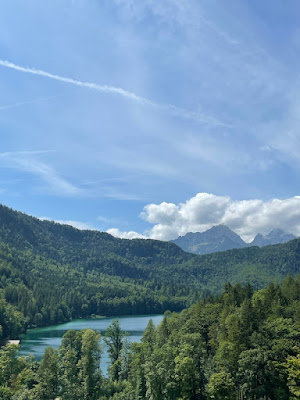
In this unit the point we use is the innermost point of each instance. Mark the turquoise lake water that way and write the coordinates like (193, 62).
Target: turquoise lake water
(36, 340)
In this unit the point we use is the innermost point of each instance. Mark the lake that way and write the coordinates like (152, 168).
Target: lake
(36, 340)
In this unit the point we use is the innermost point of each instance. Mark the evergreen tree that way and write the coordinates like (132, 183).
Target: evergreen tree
(114, 339)
(293, 368)
(48, 376)
(89, 364)
(221, 386)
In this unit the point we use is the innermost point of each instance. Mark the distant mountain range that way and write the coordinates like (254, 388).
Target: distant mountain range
(274, 237)
(51, 273)
(221, 238)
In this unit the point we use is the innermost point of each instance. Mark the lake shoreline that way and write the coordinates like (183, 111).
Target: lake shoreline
(101, 317)
(35, 340)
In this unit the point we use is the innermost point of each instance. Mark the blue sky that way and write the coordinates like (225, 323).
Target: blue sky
(115, 114)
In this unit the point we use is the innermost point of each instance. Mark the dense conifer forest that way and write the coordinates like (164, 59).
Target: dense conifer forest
(51, 273)
(241, 344)
(238, 345)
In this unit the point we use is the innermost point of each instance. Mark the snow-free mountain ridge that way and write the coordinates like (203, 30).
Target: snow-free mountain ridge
(221, 238)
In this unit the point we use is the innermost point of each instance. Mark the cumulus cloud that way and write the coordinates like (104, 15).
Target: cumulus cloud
(201, 212)
(125, 235)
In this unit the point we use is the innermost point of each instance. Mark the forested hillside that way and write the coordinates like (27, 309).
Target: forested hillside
(51, 273)
(239, 345)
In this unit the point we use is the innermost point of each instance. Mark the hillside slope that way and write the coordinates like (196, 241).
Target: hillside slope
(51, 272)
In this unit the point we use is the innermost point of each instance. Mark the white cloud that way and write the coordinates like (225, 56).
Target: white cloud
(201, 212)
(125, 235)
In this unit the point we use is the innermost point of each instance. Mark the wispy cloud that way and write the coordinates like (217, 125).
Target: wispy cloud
(184, 13)
(27, 161)
(76, 224)
(24, 103)
(168, 108)
(52, 182)
(110, 189)
(229, 68)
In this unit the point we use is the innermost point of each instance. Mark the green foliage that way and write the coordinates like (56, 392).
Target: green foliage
(293, 368)
(17, 374)
(89, 364)
(51, 273)
(221, 386)
(114, 340)
(48, 376)
(238, 345)
(9, 365)
(70, 381)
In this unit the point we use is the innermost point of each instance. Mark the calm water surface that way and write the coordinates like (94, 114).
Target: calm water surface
(36, 340)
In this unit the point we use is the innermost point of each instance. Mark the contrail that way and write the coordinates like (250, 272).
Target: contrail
(100, 88)
(23, 103)
(169, 108)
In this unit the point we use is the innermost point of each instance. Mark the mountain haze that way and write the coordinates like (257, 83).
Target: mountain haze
(221, 238)
(274, 237)
(218, 238)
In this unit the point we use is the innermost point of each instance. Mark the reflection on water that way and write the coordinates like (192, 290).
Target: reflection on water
(36, 340)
